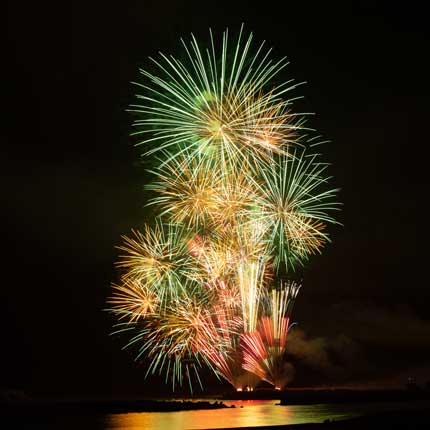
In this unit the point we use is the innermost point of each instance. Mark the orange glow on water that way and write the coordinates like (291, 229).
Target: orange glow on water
(246, 413)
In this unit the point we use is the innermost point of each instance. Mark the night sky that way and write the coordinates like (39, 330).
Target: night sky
(73, 184)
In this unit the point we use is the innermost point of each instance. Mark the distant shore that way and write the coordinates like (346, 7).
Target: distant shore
(32, 408)
(283, 398)
(319, 396)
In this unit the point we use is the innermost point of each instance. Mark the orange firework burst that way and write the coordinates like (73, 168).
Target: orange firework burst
(133, 300)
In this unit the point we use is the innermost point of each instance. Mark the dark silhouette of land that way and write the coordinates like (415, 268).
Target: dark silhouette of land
(301, 397)
(318, 396)
(24, 405)
(68, 408)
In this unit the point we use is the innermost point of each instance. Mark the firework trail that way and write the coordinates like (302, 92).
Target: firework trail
(264, 348)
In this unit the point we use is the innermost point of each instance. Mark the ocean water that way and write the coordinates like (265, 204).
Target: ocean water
(247, 413)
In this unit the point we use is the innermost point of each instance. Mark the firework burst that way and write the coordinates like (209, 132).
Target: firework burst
(186, 188)
(158, 262)
(294, 203)
(212, 104)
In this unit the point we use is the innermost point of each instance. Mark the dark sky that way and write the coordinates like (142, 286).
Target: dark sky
(73, 184)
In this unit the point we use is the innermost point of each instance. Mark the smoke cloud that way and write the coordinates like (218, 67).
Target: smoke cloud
(369, 348)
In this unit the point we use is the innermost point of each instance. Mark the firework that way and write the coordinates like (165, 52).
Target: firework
(133, 301)
(211, 104)
(186, 189)
(294, 203)
(242, 198)
(264, 347)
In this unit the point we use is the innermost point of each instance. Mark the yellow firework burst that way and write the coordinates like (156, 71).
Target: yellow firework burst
(133, 300)
(158, 259)
(186, 188)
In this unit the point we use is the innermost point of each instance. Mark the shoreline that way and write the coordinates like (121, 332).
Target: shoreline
(283, 398)
(65, 408)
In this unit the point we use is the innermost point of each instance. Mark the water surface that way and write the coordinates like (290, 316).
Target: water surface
(248, 413)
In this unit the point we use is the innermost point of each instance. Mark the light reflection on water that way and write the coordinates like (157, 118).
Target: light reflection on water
(253, 413)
